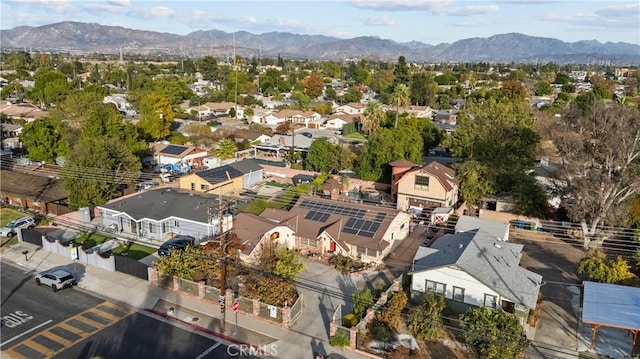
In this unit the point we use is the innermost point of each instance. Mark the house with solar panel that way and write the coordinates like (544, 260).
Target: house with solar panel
(226, 179)
(159, 154)
(417, 187)
(474, 267)
(326, 227)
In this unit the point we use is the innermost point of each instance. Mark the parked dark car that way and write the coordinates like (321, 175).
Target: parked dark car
(177, 243)
(307, 134)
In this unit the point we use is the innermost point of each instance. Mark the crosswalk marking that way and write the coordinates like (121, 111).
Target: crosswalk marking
(104, 315)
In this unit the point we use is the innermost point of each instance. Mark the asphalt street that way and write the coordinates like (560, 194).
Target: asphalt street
(40, 323)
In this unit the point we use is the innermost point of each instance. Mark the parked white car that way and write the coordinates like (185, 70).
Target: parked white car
(23, 222)
(56, 279)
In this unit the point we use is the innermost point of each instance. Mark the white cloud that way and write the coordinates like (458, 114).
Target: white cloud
(468, 10)
(121, 3)
(50, 5)
(402, 5)
(378, 21)
(631, 10)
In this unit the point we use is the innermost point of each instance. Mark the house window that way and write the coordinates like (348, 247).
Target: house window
(421, 182)
(152, 228)
(165, 227)
(309, 242)
(490, 300)
(458, 294)
(204, 187)
(435, 287)
(176, 224)
(193, 186)
(361, 250)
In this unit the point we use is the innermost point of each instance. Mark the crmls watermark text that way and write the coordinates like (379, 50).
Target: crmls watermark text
(235, 350)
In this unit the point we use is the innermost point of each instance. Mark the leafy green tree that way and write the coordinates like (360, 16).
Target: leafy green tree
(562, 79)
(156, 116)
(45, 140)
(362, 300)
(568, 88)
(596, 265)
(352, 95)
(50, 86)
(423, 89)
(172, 89)
(373, 116)
(182, 264)
(401, 99)
(391, 314)
(476, 181)
(226, 149)
(401, 73)
(495, 334)
(177, 138)
(95, 168)
(543, 88)
(288, 264)
(425, 320)
(321, 156)
(208, 67)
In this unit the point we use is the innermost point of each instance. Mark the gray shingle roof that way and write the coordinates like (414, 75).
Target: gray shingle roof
(486, 228)
(164, 203)
(493, 263)
(246, 166)
(219, 174)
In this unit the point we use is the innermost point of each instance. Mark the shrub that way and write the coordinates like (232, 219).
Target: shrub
(349, 320)
(339, 340)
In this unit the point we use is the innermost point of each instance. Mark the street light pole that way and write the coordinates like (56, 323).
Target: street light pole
(223, 289)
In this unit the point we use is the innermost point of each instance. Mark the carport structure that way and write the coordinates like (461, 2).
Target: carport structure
(611, 305)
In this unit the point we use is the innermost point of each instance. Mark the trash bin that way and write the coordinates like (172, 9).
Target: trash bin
(520, 224)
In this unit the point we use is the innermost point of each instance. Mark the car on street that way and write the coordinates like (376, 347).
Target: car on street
(9, 230)
(307, 134)
(56, 279)
(177, 243)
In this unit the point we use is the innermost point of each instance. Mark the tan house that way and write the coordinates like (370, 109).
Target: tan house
(40, 194)
(255, 233)
(326, 227)
(423, 186)
(23, 111)
(225, 179)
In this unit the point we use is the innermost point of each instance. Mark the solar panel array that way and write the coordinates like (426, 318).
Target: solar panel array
(173, 150)
(356, 224)
(332, 209)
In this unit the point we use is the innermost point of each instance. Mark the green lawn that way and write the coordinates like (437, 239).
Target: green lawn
(88, 240)
(355, 136)
(8, 214)
(133, 250)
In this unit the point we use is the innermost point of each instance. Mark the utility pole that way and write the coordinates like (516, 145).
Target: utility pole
(224, 243)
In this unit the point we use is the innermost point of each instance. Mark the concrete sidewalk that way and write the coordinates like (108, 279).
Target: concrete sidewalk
(192, 312)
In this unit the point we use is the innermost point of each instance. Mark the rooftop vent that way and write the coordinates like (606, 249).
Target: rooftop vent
(497, 245)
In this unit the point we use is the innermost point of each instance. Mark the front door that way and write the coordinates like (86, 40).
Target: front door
(332, 246)
(134, 227)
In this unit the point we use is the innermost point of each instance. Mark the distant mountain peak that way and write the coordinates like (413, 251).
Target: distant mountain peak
(509, 47)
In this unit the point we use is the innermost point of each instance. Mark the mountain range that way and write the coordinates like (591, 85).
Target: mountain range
(79, 37)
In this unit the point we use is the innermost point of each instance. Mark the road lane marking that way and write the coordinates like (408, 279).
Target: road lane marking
(211, 348)
(27, 332)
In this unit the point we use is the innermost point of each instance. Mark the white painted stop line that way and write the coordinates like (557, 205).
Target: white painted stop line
(208, 350)
(27, 332)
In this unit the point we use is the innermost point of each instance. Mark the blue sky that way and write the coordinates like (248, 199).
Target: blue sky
(428, 21)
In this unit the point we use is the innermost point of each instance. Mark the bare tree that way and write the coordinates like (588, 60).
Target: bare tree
(600, 154)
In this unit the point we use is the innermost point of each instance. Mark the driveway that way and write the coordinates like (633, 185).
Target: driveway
(557, 262)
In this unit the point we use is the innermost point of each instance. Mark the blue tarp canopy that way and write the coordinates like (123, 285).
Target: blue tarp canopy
(611, 305)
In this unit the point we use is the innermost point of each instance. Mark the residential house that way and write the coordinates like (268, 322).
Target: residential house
(297, 117)
(338, 120)
(352, 108)
(41, 194)
(163, 154)
(122, 104)
(224, 179)
(255, 233)
(23, 111)
(279, 145)
(252, 136)
(10, 134)
(473, 269)
(420, 111)
(415, 187)
(490, 229)
(164, 213)
(363, 232)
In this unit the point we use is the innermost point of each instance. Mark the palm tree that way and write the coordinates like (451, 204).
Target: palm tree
(373, 115)
(226, 149)
(400, 98)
